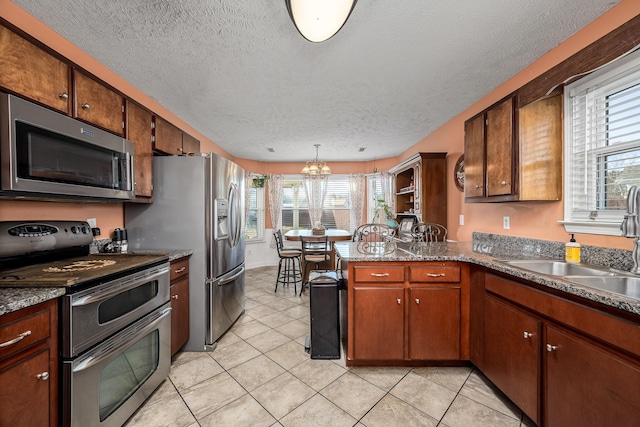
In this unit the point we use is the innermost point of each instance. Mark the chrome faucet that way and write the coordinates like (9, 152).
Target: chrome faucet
(630, 225)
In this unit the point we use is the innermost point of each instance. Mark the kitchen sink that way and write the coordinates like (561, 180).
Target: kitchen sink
(623, 285)
(560, 268)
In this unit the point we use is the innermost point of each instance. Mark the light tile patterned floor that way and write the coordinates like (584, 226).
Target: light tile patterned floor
(260, 375)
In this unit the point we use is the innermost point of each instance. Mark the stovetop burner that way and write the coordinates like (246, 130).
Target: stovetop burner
(81, 265)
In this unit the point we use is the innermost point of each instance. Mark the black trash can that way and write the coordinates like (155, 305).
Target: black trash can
(325, 321)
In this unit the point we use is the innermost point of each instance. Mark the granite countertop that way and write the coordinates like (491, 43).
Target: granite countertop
(468, 252)
(13, 299)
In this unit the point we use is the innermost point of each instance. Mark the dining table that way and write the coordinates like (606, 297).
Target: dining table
(333, 235)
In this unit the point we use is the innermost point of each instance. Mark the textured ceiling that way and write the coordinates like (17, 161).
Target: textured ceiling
(240, 73)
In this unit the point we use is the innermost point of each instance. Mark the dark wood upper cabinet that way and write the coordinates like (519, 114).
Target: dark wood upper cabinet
(33, 73)
(97, 104)
(138, 129)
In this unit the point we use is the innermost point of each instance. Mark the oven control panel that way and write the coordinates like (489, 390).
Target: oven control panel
(23, 237)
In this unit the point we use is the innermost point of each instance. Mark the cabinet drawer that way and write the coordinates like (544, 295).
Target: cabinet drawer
(378, 274)
(439, 274)
(20, 333)
(179, 268)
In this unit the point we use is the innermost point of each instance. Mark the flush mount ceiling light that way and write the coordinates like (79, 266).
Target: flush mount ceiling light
(315, 167)
(319, 20)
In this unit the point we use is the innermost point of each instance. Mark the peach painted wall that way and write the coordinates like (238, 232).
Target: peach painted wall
(529, 219)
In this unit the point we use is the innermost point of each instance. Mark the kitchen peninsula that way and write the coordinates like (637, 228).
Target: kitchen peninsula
(547, 342)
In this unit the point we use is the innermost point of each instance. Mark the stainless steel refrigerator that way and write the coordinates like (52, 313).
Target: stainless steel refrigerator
(198, 204)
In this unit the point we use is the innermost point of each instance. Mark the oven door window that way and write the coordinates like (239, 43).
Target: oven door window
(127, 301)
(43, 155)
(127, 373)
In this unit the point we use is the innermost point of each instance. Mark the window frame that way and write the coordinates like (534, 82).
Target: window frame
(298, 206)
(260, 215)
(624, 72)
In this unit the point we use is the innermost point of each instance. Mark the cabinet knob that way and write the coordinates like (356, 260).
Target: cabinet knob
(85, 106)
(478, 186)
(16, 339)
(527, 334)
(175, 297)
(399, 301)
(504, 183)
(417, 300)
(43, 376)
(551, 348)
(64, 95)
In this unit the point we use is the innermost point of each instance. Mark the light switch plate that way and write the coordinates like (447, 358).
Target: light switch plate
(461, 219)
(506, 222)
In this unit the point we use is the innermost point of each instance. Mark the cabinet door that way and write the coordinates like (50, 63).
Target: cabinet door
(139, 122)
(168, 138)
(587, 385)
(434, 323)
(179, 313)
(31, 72)
(378, 330)
(97, 104)
(540, 139)
(500, 149)
(512, 354)
(474, 157)
(25, 389)
(190, 145)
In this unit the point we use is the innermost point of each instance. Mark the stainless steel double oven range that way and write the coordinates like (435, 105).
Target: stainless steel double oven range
(115, 323)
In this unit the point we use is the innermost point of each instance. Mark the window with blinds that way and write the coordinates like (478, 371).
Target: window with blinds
(254, 228)
(335, 214)
(602, 146)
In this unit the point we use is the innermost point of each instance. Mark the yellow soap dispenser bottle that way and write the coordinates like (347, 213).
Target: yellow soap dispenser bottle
(572, 250)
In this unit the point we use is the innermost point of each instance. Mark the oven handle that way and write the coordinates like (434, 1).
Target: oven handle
(230, 279)
(94, 360)
(124, 286)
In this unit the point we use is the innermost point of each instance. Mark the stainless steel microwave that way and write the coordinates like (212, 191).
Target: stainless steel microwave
(45, 154)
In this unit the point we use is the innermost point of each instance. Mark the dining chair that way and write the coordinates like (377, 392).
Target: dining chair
(429, 232)
(316, 250)
(287, 271)
(373, 233)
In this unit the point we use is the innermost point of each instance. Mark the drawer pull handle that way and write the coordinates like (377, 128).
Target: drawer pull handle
(436, 274)
(417, 300)
(399, 301)
(16, 339)
(379, 274)
(175, 296)
(180, 270)
(43, 376)
(527, 335)
(551, 348)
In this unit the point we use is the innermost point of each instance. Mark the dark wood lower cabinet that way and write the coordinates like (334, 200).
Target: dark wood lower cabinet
(587, 385)
(29, 366)
(378, 323)
(512, 354)
(434, 323)
(26, 396)
(179, 292)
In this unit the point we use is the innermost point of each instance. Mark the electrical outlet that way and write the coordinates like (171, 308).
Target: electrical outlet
(461, 219)
(506, 222)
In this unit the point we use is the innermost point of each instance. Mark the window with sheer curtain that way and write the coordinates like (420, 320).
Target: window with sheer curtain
(602, 146)
(254, 227)
(335, 213)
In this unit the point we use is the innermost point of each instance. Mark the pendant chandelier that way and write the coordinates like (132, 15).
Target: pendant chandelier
(319, 20)
(315, 167)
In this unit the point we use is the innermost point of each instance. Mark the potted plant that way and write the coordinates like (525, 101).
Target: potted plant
(259, 181)
(382, 206)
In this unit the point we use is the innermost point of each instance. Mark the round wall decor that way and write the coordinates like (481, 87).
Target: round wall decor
(458, 173)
